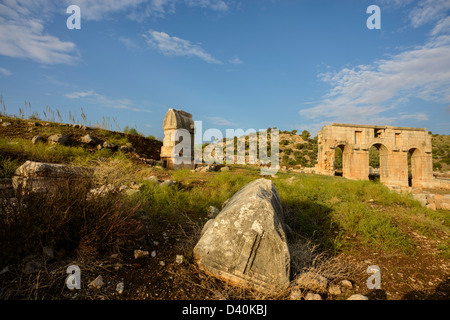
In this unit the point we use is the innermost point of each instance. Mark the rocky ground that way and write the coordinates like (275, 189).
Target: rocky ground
(162, 274)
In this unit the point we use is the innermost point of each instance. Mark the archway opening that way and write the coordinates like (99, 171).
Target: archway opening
(414, 167)
(374, 164)
(339, 160)
(378, 160)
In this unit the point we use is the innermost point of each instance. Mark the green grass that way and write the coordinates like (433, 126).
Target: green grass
(336, 213)
(8, 166)
(22, 150)
(444, 250)
(339, 214)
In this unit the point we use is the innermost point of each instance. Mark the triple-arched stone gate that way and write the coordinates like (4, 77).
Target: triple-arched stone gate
(393, 143)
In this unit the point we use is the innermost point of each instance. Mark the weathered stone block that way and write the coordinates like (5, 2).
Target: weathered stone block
(246, 243)
(46, 177)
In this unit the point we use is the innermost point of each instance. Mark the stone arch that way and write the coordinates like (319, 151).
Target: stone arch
(343, 146)
(394, 143)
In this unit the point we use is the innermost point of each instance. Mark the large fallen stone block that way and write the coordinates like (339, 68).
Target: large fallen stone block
(246, 243)
(47, 177)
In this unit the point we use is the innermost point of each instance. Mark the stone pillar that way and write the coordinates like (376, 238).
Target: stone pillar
(398, 168)
(182, 121)
(357, 164)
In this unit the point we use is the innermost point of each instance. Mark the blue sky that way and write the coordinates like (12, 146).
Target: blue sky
(232, 64)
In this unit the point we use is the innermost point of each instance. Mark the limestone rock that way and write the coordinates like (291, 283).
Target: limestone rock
(179, 259)
(108, 145)
(213, 212)
(313, 281)
(90, 140)
(59, 138)
(101, 191)
(168, 183)
(125, 148)
(119, 288)
(140, 254)
(98, 283)
(334, 290)
(295, 295)
(313, 296)
(246, 243)
(346, 284)
(37, 139)
(153, 179)
(357, 297)
(46, 177)
(51, 170)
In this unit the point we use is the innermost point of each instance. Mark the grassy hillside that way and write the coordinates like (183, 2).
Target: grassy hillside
(441, 152)
(16, 144)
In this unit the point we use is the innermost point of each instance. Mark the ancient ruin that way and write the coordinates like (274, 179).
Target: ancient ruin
(246, 243)
(393, 143)
(178, 121)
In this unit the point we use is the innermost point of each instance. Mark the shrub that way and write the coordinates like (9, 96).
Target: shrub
(298, 154)
(66, 220)
(305, 135)
(8, 166)
(129, 130)
(437, 166)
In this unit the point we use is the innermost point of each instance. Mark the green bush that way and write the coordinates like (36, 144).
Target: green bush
(305, 135)
(298, 154)
(129, 130)
(8, 166)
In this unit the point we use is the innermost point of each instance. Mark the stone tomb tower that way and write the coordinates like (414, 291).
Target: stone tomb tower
(393, 143)
(174, 120)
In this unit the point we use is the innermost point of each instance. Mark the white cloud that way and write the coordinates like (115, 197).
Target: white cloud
(100, 9)
(429, 11)
(235, 60)
(220, 121)
(23, 35)
(139, 10)
(98, 99)
(216, 5)
(174, 46)
(5, 72)
(442, 27)
(76, 95)
(129, 43)
(364, 93)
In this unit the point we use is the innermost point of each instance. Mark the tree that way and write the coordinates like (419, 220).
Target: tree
(305, 135)
(129, 130)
